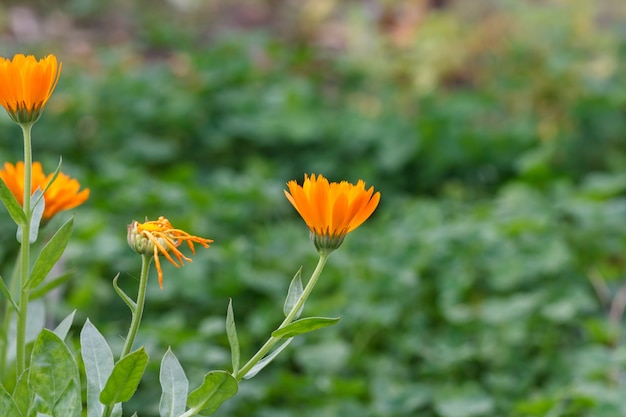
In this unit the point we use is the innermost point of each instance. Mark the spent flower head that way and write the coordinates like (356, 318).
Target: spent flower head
(331, 210)
(159, 236)
(62, 194)
(26, 84)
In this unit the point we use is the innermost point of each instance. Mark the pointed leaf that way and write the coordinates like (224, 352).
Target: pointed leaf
(175, 386)
(293, 295)
(7, 294)
(64, 327)
(54, 175)
(48, 285)
(34, 324)
(7, 405)
(233, 340)
(13, 207)
(37, 205)
(266, 360)
(39, 408)
(306, 325)
(21, 394)
(217, 387)
(125, 378)
(52, 369)
(129, 301)
(98, 360)
(69, 404)
(50, 254)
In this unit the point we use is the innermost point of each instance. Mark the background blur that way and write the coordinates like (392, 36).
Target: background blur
(495, 130)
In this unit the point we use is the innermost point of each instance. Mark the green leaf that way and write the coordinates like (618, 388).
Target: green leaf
(52, 369)
(50, 254)
(217, 387)
(129, 301)
(21, 394)
(125, 378)
(233, 340)
(37, 205)
(266, 360)
(7, 405)
(306, 325)
(7, 294)
(13, 207)
(293, 295)
(39, 408)
(34, 323)
(64, 327)
(54, 175)
(98, 360)
(49, 285)
(175, 386)
(69, 404)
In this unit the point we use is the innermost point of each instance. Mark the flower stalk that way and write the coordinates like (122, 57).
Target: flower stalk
(267, 346)
(22, 317)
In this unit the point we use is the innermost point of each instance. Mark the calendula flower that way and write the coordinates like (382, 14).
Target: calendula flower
(331, 210)
(26, 84)
(158, 236)
(62, 195)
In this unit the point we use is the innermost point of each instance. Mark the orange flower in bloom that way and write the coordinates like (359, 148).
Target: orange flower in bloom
(152, 237)
(331, 210)
(26, 85)
(63, 194)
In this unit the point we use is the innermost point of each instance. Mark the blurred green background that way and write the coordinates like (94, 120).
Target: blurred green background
(489, 282)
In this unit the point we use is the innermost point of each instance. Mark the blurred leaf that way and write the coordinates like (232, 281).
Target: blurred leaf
(13, 207)
(174, 386)
(233, 340)
(217, 387)
(7, 294)
(125, 378)
(7, 405)
(266, 360)
(295, 291)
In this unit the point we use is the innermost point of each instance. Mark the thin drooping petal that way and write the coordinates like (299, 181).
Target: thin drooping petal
(159, 237)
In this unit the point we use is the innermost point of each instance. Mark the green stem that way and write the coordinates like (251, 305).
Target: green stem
(136, 320)
(290, 317)
(22, 317)
(141, 298)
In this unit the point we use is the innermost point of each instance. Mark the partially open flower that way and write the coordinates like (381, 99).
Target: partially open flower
(26, 85)
(62, 195)
(158, 236)
(331, 210)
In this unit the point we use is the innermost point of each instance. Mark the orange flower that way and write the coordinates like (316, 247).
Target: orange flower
(62, 195)
(156, 236)
(331, 210)
(26, 85)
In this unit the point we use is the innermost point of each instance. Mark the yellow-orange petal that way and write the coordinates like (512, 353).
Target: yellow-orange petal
(331, 210)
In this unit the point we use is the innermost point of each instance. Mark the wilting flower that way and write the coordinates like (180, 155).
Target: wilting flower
(331, 210)
(26, 85)
(156, 236)
(62, 195)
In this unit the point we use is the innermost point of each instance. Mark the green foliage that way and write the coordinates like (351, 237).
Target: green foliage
(217, 387)
(484, 285)
(174, 387)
